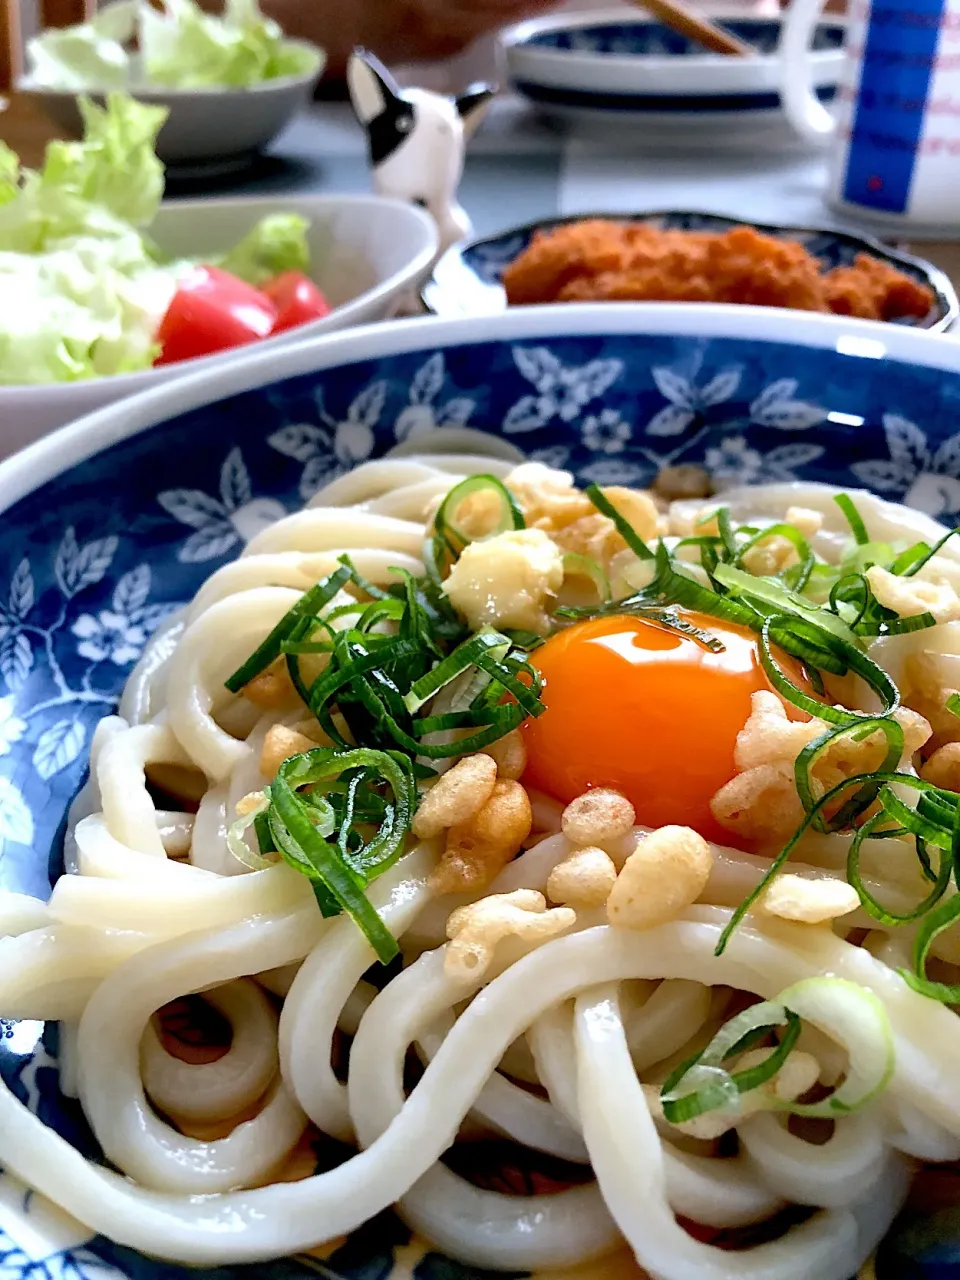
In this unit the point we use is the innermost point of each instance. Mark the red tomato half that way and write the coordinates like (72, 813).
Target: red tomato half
(213, 311)
(297, 299)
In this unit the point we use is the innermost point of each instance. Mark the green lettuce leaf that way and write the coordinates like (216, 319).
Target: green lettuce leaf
(185, 48)
(90, 55)
(102, 186)
(277, 243)
(179, 48)
(85, 286)
(9, 174)
(80, 313)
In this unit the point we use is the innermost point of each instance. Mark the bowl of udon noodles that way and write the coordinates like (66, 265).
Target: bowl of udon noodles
(500, 787)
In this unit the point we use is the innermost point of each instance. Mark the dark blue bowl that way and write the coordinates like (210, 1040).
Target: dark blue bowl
(111, 523)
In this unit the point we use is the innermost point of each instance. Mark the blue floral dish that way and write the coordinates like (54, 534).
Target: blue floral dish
(114, 521)
(612, 65)
(467, 279)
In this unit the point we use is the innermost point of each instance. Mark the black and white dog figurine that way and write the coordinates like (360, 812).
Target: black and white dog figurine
(416, 140)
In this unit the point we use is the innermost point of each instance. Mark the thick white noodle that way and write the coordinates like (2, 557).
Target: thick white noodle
(216, 1090)
(323, 986)
(594, 1018)
(210, 649)
(833, 1174)
(513, 1111)
(483, 1227)
(628, 1160)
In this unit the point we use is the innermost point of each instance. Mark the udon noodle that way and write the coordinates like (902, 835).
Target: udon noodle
(557, 1035)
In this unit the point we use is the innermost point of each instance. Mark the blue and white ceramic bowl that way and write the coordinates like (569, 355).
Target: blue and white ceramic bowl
(614, 66)
(467, 279)
(119, 518)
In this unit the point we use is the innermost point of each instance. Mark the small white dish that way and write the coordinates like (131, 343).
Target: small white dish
(367, 252)
(216, 129)
(615, 66)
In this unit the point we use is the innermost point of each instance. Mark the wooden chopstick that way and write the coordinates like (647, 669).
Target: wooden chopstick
(674, 14)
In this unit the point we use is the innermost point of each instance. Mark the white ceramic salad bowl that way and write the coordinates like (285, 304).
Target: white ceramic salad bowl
(366, 252)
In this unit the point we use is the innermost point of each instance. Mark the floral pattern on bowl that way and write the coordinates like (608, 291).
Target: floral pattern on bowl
(83, 583)
(467, 279)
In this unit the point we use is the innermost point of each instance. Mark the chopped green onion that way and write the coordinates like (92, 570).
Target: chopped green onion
(578, 566)
(725, 531)
(309, 604)
(847, 1012)
(339, 872)
(239, 847)
(766, 596)
(869, 903)
(801, 572)
(710, 1086)
(854, 518)
(859, 731)
(928, 554)
(788, 634)
(623, 526)
(942, 917)
(368, 588)
(856, 1019)
(447, 533)
(462, 658)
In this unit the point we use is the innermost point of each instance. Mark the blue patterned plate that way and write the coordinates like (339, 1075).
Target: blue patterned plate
(466, 280)
(112, 522)
(613, 65)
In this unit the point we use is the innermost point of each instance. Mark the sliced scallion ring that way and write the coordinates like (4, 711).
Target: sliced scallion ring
(508, 514)
(703, 1084)
(854, 518)
(578, 566)
(856, 1019)
(239, 847)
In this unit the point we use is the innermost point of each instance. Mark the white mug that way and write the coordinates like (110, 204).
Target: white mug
(895, 133)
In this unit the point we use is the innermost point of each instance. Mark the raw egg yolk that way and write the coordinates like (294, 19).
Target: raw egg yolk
(648, 711)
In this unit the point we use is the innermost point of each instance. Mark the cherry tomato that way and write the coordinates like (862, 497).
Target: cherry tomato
(213, 311)
(297, 299)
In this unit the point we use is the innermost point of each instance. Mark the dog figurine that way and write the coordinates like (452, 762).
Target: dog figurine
(416, 140)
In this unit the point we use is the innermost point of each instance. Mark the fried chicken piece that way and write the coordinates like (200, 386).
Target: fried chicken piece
(555, 257)
(600, 261)
(874, 290)
(749, 267)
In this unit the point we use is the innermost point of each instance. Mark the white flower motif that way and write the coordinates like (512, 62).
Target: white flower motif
(606, 432)
(733, 462)
(929, 481)
(12, 728)
(556, 456)
(109, 635)
(777, 406)
(615, 470)
(687, 400)
(422, 414)
(220, 523)
(328, 451)
(562, 392)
